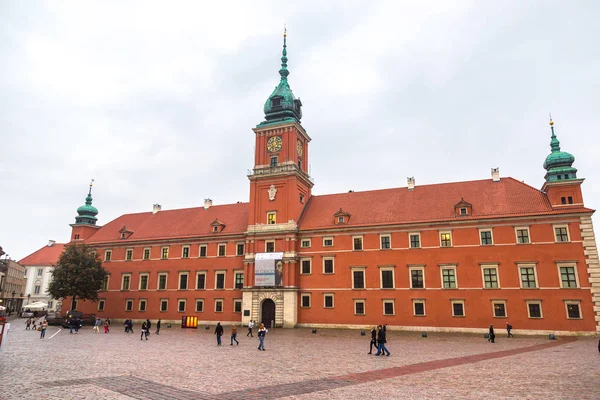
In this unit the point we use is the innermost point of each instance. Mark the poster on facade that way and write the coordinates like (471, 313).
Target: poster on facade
(268, 269)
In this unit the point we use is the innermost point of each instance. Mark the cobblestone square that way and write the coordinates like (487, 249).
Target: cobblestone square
(297, 364)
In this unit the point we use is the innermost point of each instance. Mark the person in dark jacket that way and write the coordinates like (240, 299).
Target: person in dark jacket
(373, 340)
(219, 333)
(148, 326)
(144, 331)
(491, 334)
(508, 329)
(381, 340)
(157, 327)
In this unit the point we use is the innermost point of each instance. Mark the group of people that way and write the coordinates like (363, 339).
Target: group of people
(146, 326)
(31, 324)
(98, 323)
(379, 339)
(262, 331)
(492, 334)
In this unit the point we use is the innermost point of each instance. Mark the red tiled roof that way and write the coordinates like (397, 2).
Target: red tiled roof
(47, 255)
(183, 222)
(430, 203)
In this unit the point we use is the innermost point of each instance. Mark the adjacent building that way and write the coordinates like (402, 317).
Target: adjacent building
(12, 285)
(451, 256)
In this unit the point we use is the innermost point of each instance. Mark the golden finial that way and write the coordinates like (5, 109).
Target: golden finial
(551, 122)
(284, 30)
(92, 183)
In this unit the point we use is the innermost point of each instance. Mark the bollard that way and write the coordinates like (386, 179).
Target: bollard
(362, 333)
(314, 331)
(486, 335)
(168, 325)
(207, 327)
(551, 336)
(423, 334)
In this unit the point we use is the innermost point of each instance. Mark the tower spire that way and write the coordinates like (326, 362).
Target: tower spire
(87, 213)
(284, 71)
(559, 164)
(554, 143)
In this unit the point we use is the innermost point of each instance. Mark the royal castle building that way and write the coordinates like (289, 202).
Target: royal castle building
(452, 256)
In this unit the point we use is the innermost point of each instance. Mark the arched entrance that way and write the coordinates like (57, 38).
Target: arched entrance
(267, 314)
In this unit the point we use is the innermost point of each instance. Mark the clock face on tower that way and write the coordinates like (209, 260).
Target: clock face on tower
(299, 147)
(274, 144)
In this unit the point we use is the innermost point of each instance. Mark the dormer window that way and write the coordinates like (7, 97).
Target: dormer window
(217, 226)
(341, 217)
(276, 102)
(463, 208)
(341, 220)
(215, 229)
(464, 211)
(125, 233)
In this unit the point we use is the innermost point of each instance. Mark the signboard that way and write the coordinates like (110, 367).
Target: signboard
(268, 269)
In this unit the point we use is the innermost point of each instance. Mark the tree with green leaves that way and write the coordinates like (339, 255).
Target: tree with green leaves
(78, 274)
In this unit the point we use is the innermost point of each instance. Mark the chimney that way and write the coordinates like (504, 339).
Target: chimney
(156, 208)
(51, 243)
(411, 182)
(207, 203)
(496, 174)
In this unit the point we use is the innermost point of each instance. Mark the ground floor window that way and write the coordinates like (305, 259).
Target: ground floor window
(199, 305)
(164, 305)
(305, 300)
(237, 306)
(499, 309)
(181, 305)
(419, 308)
(328, 299)
(101, 305)
(573, 311)
(142, 304)
(388, 307)
(128, 305)
(359, 307)
(458, 308)
(219, 305)
(534, 309)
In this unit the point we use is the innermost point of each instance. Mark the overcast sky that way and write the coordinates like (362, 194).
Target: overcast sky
(156, 101)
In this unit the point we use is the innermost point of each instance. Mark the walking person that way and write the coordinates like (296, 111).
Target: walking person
(144, 328)
(157, 327)
(97, 324)
(508, 329)
(126, 325)
(106, 325)
(373, 340)
(71, 326)
(262, 331)
(492, 335)
(28, 324)
(219, 333)
(44, 326)
(130, 326)
(33, 323)
(234, 335)
(148, 326)
(382, 340)
(250, 326)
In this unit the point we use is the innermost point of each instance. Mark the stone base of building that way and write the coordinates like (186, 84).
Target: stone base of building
(256, 305)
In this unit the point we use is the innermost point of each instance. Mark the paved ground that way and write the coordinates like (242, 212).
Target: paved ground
(332, 364)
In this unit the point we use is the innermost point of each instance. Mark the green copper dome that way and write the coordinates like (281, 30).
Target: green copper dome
(87, 212)
(281, 104)
(559, 163)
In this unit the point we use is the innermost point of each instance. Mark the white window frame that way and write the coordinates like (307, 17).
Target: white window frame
(237, 245)
(224, 245)
(107, 280)
(362, 243)
(364, 271)
(491, 231)
(123, 281)
(145, 301)
(107, 255)
(302, 297)
(199, 301)
(310, 264)
(526, 265)
(149, 253)
(415, 301)
(147, 275)
(503, 302)
(329, 294)
(267, 244)
(205, 246)
(443, 233)
(224, 273)
(237, 301)
(162, 252)
(274, 219)
(127, 302)
(303, 241)
(332, 265)
(381, 236)
(387, 268)
(538, 302)
(566, 226)
(166, 274)
(522, 228)
(188, 247)
(222, 305)
(103, 302)
(410, 243)
(161, 303)
(573, 302)
(127, 252)
(452, 302)
(179, 301)
(416, 267)
(364, 303)
(490, 266)
(198, 273)
(330, 238)
(560, 265)
(449, 267)
(187, 274)
(465, 209)
(388, 301)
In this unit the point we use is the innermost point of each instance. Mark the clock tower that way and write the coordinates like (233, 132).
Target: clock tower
(280, 188)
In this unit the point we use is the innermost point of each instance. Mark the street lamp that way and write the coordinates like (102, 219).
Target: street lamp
(28, 297)
(12, 303)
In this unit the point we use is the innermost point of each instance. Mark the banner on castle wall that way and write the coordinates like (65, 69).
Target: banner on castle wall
(268, 269)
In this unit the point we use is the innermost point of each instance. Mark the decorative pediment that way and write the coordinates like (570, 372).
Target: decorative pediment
(125, 233)
(341, 217)
(463, 208)
(217, 226)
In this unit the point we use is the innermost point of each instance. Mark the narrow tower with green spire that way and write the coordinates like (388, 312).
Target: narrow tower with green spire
(559, 164)
(87, 212)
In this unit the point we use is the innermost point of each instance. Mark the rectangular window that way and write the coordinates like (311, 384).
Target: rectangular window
(419, 308)
(107, 255)
(143, 281)
(328, 265)
(126, 282)
(305, 300)
(499, 309)
(162, 281)
(417, 280)
(199, 305)
(522, 235)
(220, 280)
(201, 280)
(164, 253)
(445, 239)
(458, 308)
(237, 306)
(202, 250)
(305, 243)
(270, 247)
(486, 237)
(219, 305)
(185, 252)
(358, 279)
(305, 266)
(36, 290)
(561, 233)
(570, 200)
(528, 277)
(568, 278)
(164, 305)
(449, 278)
(222, 248)
(271, 218)
(240, 249)
(386, 242)
(128, 305)
(573, 311)
(328, 300)
(183, 281)
(142, 304)
(146, 254)
(359, 307)
(273, 161)
(129, 254)
(101, 305)
(327, 242)
(181, 305)
(105, 282)
(387, 278)
(239, 280)
(40, 272)
(534, 309)
(490, 278)
(415, 240)
(388, 307)
(358, 242)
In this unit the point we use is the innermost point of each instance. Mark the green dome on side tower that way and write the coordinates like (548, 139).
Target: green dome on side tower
(558, 164)
(282, 106)
(87, 212)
